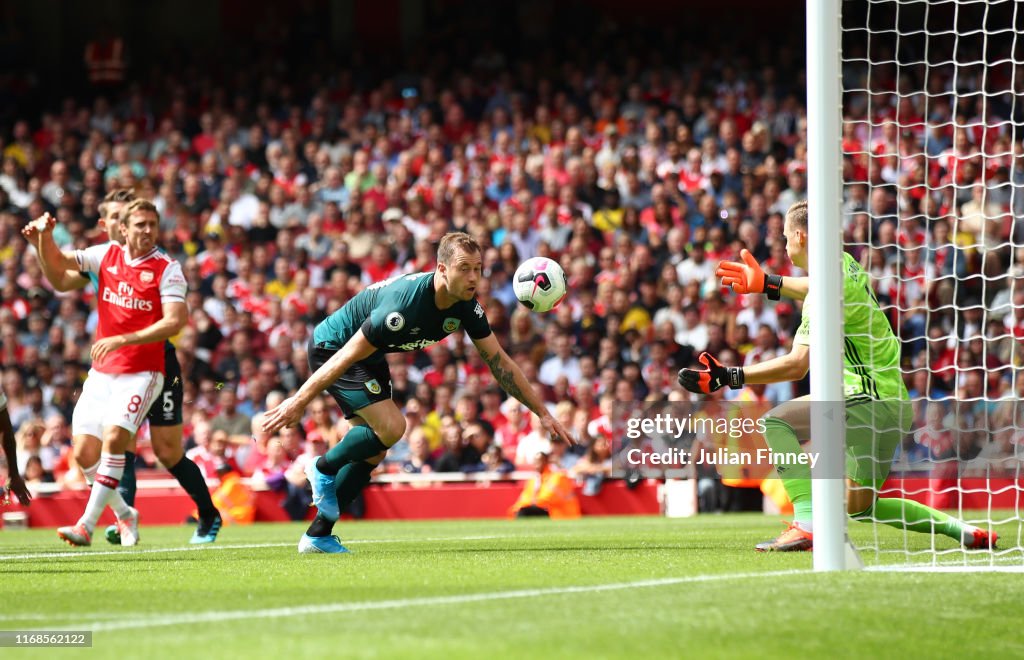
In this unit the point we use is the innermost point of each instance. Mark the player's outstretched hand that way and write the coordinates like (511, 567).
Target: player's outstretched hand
(43, 223)
(106, 346)
(713, 377)
(553, 427)
(745, 277)
(284, 414)
(20, 490)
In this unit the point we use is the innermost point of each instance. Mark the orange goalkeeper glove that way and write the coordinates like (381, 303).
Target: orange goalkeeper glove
(749, 277)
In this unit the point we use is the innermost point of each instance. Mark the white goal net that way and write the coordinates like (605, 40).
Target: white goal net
(933, 186)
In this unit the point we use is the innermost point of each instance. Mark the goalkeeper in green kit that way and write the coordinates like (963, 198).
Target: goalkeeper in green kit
(878, 409)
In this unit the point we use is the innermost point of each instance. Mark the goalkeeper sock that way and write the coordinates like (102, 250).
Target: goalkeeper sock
(359, 444)
(127, 485)
(349, 483)
(916, 517)
(796, 479)
(191, 479)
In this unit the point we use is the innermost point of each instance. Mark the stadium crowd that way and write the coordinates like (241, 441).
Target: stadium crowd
(283, 199)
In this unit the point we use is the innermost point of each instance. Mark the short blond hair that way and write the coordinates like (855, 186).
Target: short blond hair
(139, 206)
(121, 195)
(453, 243)
(797, 215)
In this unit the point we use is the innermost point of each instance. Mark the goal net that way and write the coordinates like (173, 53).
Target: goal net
(933, 169)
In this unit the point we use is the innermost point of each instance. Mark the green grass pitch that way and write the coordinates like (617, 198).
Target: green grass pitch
(597, 587)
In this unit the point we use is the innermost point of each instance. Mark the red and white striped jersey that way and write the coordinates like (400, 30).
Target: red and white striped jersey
(130, 296)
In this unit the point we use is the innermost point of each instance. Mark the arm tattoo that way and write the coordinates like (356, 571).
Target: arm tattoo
(505, 377)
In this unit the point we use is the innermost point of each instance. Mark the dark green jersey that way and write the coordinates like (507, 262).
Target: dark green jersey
(398, 315)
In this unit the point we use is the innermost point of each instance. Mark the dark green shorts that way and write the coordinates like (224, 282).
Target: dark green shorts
(364, 383)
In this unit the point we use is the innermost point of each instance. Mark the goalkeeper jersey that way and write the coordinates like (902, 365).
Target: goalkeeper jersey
(871, 352)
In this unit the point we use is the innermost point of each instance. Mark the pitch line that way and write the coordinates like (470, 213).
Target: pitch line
(85, 554)
(367, 606)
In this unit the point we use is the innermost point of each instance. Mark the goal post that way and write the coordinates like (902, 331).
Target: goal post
(824, 175)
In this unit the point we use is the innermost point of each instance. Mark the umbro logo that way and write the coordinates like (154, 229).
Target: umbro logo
(112, 270)
(414, 331)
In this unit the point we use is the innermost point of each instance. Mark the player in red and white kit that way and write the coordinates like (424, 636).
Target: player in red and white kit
(141, 302)
(165, 417)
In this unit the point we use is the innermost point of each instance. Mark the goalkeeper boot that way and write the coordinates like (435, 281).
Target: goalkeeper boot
(77, 535)
(313, 545)
(979, 539)
(325, 497)
(793, 539)
(113, 535)
(206, 531)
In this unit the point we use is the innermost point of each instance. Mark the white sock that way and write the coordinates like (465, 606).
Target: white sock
(805, 526)
(117, 503)
(108, 475)
(90, 473)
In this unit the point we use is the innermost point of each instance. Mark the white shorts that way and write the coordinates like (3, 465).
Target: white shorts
(115, 400)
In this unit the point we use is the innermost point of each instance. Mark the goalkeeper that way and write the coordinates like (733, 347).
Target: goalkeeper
(878, 407)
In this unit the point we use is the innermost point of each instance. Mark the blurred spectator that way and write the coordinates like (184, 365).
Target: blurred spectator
(229, 419)
(419, 460)
(549, 493)
(234, 500)
(594, 467)
(561, 363)
(298, 496)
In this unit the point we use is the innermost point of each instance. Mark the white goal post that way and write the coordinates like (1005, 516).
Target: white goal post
(824, 107)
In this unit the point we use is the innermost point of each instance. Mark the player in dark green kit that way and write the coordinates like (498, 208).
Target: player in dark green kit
(405, 313)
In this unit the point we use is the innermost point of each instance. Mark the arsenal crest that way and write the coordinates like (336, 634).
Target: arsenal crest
(146, 276)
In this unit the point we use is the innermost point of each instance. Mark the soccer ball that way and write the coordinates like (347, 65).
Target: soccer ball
(539, 284)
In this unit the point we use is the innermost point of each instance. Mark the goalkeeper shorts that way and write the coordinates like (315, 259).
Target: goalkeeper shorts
(874, 429)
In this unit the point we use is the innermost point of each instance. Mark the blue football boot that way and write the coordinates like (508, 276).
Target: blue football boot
(312, 545)
(324, 495)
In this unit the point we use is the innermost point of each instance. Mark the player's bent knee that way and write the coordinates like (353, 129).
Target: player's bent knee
(116, 439)
(168, 450)
(86, 450)
(777, 418)
(860, 503)
(392, 430)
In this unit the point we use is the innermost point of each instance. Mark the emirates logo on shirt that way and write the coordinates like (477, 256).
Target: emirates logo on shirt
(125, 298)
